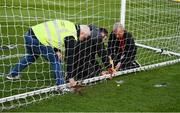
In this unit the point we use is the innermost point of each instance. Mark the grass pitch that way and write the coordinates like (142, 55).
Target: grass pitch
(136, 94)
(146, 19)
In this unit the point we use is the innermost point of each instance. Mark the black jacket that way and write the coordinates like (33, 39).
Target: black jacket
(85, 61)
(93, 47)
(115, 50)
(70, 45)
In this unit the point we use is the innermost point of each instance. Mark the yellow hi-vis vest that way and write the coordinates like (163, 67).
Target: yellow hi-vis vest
(52, 33)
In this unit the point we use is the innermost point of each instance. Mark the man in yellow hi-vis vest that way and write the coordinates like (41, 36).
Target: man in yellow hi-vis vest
(46, 39)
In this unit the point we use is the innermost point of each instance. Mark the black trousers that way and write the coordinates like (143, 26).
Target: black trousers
(87, 70)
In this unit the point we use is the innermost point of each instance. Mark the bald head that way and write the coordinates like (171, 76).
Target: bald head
(84, 32)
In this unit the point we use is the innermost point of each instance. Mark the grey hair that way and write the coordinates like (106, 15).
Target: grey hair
(85, 29)
(117, 25)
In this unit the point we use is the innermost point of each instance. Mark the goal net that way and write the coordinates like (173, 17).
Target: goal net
(154, 24)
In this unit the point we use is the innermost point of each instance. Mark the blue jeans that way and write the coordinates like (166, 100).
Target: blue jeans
(34, 48)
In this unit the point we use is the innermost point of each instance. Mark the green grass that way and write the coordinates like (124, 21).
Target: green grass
(144, 18)
(137, 93)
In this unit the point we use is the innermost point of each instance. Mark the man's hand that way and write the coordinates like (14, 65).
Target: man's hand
(76, 86)
(111, 71)
(59, 54)
(104, 73)
(118, 66)
(72, 82)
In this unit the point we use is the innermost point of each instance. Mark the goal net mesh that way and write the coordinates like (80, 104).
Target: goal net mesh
(154, 24)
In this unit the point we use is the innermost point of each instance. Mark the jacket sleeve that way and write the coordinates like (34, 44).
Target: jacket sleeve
(129, 50)
(102, 52)
(111, 46)
(70, 44)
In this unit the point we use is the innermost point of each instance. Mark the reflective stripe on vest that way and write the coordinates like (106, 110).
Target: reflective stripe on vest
(52, 33)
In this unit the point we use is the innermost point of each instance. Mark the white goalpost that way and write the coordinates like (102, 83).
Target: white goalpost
(154, 28)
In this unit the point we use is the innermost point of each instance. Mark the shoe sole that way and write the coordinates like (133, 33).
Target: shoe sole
(12, 78)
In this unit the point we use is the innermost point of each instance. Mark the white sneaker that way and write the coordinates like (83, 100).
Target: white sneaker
(10, 77)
